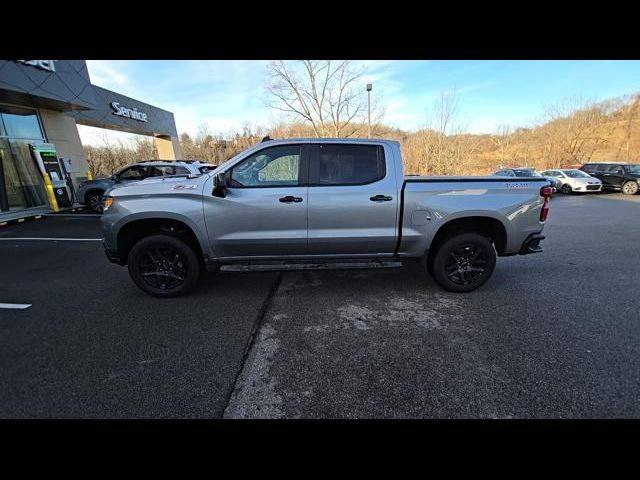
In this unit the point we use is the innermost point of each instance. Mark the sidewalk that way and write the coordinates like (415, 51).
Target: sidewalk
(36, 213)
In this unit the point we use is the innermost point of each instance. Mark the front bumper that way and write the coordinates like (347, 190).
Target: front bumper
(113, 256)
(588, 188)
(532, 244)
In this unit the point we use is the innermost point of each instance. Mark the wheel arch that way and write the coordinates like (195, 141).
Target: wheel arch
(135, 229)
(488, 226)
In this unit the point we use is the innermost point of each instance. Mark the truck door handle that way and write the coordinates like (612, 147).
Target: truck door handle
(290, 199)
(380, 198)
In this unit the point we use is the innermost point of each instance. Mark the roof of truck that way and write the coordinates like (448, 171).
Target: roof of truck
(330, 140)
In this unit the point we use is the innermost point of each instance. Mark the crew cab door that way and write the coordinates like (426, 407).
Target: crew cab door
(264, 212)
(353, 202)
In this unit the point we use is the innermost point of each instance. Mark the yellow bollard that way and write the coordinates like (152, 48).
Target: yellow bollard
(89, 176)
(52, 196)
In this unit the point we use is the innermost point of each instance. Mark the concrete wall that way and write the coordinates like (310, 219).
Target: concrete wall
(62, 131)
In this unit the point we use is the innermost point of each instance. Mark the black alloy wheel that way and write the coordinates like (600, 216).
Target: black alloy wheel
(164, 266)
(464, 262)
(95, 202)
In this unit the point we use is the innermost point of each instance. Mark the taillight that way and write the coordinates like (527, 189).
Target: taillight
(545, 192)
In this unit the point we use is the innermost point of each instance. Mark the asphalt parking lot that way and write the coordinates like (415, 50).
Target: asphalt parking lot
(551, 335)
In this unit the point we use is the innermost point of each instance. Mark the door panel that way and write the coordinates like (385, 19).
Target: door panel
(350, 217)
(615, 176)
(264, 212)
(254, 222)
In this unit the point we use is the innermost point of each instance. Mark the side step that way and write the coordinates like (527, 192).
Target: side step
(298, 267)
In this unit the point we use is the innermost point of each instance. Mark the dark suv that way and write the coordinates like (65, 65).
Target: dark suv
(615, 175)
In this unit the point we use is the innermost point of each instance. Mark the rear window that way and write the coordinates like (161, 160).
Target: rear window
(348, 165)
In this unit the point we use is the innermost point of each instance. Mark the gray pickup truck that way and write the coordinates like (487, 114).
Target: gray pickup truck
(319, 204)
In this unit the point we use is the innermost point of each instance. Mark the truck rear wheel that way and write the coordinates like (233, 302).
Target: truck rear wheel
(464, 262)
(164, 266)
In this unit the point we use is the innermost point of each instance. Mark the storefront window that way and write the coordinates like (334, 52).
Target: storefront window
(20, 123)
(21, 184)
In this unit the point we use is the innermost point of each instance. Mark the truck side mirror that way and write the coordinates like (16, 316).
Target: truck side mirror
(220, 185)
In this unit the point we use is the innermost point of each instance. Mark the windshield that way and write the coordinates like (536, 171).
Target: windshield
(576, 174)
(633, 168)
(526, 173)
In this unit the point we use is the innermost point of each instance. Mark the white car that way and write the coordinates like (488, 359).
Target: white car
(572, 180)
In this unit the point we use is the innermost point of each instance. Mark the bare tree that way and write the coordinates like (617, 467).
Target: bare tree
(325, 94)
(575, 131)
(442, 147)
(502, 139)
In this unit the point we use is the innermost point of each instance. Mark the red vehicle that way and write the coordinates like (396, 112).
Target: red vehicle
(576, 167)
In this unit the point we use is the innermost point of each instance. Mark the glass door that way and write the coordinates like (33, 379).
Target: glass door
(21, 184)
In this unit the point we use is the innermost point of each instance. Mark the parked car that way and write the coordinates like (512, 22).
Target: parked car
(617, 176)
(316, 204)
(90, 192)
(525, 172)
(572, 180)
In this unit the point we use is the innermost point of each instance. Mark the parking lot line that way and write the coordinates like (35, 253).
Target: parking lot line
(50, 238)
(18, 306)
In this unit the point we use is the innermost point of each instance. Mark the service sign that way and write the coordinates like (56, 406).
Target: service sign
(133, 113)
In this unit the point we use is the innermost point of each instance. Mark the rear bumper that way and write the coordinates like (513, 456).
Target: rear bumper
(532, 244)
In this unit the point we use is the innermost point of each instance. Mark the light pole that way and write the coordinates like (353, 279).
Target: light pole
(369, 87)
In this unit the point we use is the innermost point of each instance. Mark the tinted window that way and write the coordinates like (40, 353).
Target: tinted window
(167, 171)
(271, 167)
(349, 164)
(603, 168)
(616, 169)
(133, 173)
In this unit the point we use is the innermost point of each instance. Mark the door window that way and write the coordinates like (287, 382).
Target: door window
(133, 173)
(271, 167)
(348, 165)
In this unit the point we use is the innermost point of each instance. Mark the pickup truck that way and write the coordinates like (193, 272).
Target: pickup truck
(300, 204)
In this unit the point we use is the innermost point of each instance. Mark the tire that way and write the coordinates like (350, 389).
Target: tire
(630, 188)
(452, 255)
(566, 189)
(94, 201)
(178, 262)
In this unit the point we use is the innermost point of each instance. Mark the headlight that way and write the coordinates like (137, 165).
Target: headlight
(108, 201)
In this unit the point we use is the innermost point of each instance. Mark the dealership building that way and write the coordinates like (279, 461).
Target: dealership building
(41, 104)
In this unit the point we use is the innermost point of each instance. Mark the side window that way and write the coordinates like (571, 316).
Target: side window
(589, 168)
(271, 167)
(603, 168)
(133, 173)
(616, 169)
(348, 165)
(167, 171)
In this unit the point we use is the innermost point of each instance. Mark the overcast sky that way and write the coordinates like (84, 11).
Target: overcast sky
(225, 94)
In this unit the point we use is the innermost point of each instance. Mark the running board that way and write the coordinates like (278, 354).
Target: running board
(299, 267)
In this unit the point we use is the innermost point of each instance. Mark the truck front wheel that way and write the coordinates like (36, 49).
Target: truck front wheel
(464, 262)
(164, 266)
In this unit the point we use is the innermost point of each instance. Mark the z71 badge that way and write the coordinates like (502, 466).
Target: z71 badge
(184, 187)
